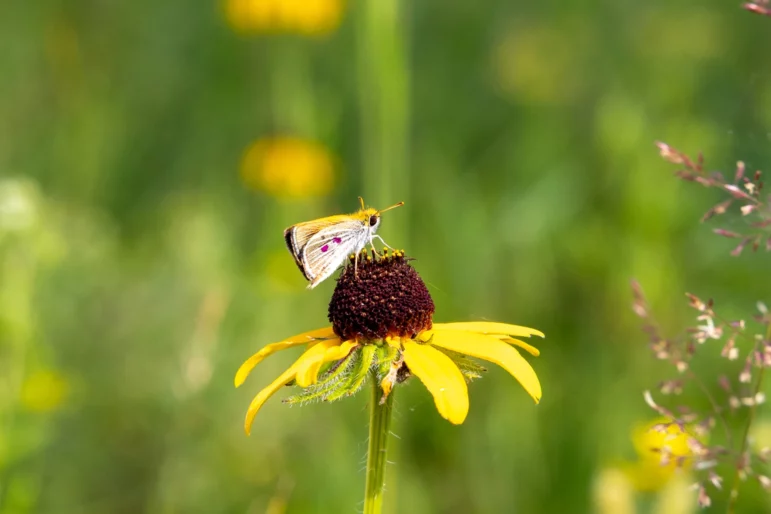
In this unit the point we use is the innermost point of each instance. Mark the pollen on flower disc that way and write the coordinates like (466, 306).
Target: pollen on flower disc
(384, 297)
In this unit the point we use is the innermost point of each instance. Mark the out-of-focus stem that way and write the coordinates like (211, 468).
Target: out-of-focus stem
(292, 92)
(384, 107)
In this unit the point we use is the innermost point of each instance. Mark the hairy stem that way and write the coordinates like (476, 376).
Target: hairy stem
(379, 430)
(734, 496)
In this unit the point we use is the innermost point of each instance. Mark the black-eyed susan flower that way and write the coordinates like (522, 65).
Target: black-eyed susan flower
(382, 325)
(288, 167)
(305, 17)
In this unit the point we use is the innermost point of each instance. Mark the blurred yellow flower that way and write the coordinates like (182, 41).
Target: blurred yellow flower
(44, 391)
(288, 167)
(677, 497)
(663, 448)
(394, 340)
(613, 493)
(665, 454)
(307, 17)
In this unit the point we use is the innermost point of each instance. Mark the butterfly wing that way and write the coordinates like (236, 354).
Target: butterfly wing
(297, 236)
(328, 249)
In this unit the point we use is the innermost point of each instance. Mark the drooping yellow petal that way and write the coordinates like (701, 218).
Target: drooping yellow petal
(306, 337)
(490, 327)
(287, 376)
(328, 351)
(494, 350)
(532, 350)
(441, 377)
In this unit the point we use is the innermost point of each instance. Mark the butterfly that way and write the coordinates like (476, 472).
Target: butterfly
(321, 246)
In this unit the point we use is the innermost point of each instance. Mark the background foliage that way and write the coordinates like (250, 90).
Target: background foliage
(151, 153)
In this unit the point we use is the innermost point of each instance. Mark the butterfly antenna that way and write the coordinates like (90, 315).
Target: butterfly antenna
(361, 201)
(392, 207)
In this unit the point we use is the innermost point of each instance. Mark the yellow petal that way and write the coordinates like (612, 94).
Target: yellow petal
(441, 377)
(493, 350)
(532, 350)
(490, 327)
(266, 393)
(287, 376)
(326, 351)
(394, 342)
(306, 337)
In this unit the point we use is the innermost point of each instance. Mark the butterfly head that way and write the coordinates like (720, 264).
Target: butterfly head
(371, 217)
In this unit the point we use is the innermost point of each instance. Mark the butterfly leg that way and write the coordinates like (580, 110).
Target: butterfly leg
(381, 240)
(372, 245)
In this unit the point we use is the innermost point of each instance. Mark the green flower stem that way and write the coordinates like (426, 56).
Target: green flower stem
(379, 430)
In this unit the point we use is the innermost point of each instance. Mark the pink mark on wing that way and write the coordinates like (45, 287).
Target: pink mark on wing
(325, 248)
(337, 240)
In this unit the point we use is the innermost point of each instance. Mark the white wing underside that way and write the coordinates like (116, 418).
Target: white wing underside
(340, 241)
(300, 236)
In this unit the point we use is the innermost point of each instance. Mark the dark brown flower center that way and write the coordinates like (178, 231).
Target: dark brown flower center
(380, 297)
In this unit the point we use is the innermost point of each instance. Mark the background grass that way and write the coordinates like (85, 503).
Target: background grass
(138, 269)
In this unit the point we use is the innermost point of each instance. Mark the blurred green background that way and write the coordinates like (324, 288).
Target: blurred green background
(151, 154)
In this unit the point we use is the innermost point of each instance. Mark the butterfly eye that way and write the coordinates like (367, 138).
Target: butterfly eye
(372, 221)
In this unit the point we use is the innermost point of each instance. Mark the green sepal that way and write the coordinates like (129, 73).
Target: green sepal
(355, 379)
(336, 373)
(385, 355)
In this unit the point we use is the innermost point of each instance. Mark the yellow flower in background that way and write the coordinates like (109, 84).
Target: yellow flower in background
(306, 17)
(677, 496)
(665, 453)
(663, 449)
(288, 167)
(44, 391)
(382, 324)
(613, 493)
